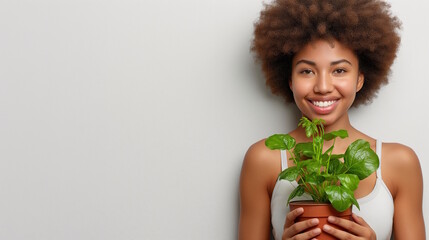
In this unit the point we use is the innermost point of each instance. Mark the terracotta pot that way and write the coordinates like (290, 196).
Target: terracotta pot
(321, 211)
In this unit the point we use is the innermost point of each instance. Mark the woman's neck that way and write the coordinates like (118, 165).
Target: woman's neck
(342, 123)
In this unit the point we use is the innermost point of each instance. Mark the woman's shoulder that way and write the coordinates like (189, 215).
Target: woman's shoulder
(260, 155)
(399, 155)
(262, 163)
(400, 165)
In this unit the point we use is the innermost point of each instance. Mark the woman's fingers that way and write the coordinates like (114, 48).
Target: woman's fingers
(336, 232)
(308, 235)
(356, 229)
(291, 216)
(293, 233)
(348, 225)
(294, 230)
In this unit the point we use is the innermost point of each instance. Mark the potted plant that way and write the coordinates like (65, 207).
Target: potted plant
(328, 178)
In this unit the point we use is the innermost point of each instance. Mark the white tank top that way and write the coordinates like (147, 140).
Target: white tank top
(376, 208)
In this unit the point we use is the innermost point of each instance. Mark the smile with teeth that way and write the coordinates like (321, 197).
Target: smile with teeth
(323, 104)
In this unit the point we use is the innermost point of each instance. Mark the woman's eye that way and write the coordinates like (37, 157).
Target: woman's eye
(306, 71)
(339, 71)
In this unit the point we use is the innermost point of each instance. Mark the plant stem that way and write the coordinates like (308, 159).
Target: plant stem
(329, 158)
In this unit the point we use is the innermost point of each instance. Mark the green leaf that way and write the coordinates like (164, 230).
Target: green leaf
(280, 141)
(337, 156)
(325, 157)
(304, 122)
(331, 135)
(310, 127)
(360, 159)
(317, 140)
(355, 202)
(340, 197)
(290, 173)
(304, 149)
(330, 178)
(309, 131)
(314, 179)
(318, 122)
(349, 181)
(313, 166)
(303, 163)
(298, 191)
(335, 166)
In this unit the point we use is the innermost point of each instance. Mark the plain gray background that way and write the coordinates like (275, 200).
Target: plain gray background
(126, 119)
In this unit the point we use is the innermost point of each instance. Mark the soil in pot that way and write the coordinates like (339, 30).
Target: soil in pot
(321, 211)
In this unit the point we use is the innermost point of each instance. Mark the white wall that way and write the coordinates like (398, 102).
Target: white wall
(126, 119)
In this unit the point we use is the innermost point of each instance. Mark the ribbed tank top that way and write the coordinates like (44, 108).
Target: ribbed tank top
(376, 208)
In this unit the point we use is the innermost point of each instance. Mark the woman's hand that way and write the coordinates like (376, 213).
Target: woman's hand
(294, 230)
(358, 229)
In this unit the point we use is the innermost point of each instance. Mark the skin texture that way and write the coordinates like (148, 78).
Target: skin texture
(329, 71)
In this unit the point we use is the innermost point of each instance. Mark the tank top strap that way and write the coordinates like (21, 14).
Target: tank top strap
(283, 156)
(378, 145)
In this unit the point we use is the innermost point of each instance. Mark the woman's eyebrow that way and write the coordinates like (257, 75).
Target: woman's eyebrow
(332, 63)
(306, 61)
(341, 61)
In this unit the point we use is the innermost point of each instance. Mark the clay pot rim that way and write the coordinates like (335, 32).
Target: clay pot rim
(308, 202)
(326, 210)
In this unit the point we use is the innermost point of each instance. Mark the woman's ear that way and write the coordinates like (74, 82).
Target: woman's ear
(290, 85)
(360, 81)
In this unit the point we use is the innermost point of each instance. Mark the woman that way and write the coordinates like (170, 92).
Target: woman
(327, 56)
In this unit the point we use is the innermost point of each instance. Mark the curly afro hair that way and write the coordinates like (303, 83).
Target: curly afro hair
(365, 26)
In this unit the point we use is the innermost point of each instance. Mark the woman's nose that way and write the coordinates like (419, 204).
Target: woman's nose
(323, 84)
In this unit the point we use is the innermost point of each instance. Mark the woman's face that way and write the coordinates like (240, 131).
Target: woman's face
(325, 79)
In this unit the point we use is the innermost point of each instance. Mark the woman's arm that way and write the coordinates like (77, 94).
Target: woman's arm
(408, 220)
(256, 177)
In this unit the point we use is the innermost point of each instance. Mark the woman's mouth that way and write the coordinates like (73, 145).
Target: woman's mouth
(323, 104)
(323, 107)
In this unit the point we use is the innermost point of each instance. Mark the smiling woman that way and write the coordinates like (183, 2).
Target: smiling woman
(327, 56)
(325, 79)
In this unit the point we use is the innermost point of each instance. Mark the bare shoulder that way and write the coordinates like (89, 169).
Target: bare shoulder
(400, 156)
(259, 155)
(262, 163)
(400, 165)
